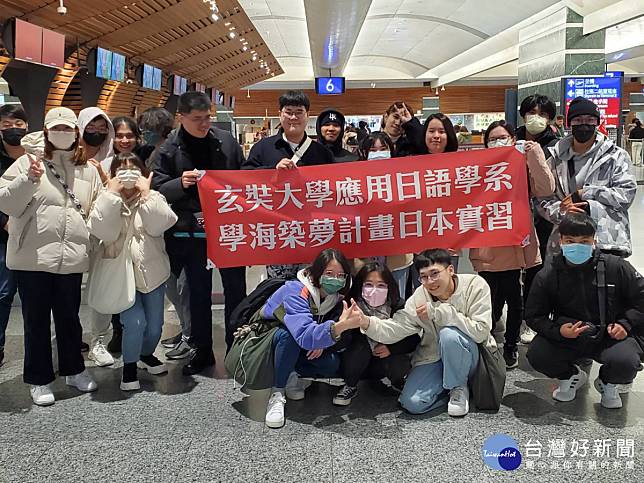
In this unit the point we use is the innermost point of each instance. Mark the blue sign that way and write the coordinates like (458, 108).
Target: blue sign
(329, 85)
(605, 91)
(614, 73)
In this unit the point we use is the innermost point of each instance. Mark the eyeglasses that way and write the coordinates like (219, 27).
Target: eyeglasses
(340, 276)
(297, 114)
(431, 276)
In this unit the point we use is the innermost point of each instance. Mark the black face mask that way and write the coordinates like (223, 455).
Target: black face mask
(583, 132)
(94, 139)
(13, 135)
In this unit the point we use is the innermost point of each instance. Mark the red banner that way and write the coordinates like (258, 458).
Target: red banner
(370, 208)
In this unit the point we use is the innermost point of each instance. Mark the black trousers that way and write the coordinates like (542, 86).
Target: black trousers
(620, 359)
(505, 287)
(190, 254)
(43, 294)
(358, 362)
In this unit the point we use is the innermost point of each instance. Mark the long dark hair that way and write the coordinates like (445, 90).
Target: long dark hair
(318, 267)
(370, 140)
(131, 125)
(452, 142)
(123, 159)
(393, 296)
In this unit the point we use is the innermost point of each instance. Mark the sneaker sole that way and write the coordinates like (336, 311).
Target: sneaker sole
(99, 364)
(82, 390)
(177, 357)
(44, 404)
(295, 397)
(130, 386)
(275, 425)
(342, 402)
(600, 391)
(154, 370)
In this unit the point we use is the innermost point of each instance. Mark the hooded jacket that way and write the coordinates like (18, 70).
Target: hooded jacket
(47, 233)
(608, 187)
(86, 116)
(552, 303)
(307, 318)
(340, 155)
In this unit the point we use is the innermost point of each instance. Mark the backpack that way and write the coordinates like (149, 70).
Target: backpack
(254, 301)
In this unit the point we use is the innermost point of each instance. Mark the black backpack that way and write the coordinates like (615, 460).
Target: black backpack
(255, 301)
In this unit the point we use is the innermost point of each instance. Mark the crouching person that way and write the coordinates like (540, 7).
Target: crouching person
(131, 216)
(455, 315)
(586, 304)
(308, 309)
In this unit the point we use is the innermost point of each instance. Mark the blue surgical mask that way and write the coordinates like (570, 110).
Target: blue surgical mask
(378, 155)
(577, 253)
(151, 138)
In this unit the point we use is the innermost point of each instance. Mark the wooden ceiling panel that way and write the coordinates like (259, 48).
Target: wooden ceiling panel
(176, 35)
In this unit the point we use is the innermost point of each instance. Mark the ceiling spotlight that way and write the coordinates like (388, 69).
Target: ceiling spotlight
(442, 88)
(254, 57)
(232, 35)
(244, 48)
(437, 91)
(227, 24)
(215, 17)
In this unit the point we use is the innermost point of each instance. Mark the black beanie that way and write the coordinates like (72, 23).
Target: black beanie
(580, 106)
(331, 116)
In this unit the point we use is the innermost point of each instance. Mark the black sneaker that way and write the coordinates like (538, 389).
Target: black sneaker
(129, 380)
(511, 356)
(114, 345)
(200, 360)
(170, 342)
(152, 365)
(84, 347)
(345, 395)
(180, 351)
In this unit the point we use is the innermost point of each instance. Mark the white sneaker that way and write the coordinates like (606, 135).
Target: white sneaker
(610, 394)
(275, 410)
(42, 395)
(99, 354)
(295, 387)
(83, 382)
(567, 389)
(331, 381)
(459, 401)
(527, 334)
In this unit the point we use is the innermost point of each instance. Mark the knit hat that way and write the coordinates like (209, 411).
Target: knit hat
(331, 116)
(580, 106)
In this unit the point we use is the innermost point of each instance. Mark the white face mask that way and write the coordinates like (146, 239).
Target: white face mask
(62, 139)
(499, 143)
(535, 124)
(128, 177)
(379, 155)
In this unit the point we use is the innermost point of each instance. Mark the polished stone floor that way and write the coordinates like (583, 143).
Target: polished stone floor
(202, 429)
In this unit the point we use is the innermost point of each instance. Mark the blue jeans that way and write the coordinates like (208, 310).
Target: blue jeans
(7, 292)
(142, 325)
(427, 385)
(291, 357)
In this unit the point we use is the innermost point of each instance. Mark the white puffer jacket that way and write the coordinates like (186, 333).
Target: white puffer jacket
(109, 222)
(46, 231)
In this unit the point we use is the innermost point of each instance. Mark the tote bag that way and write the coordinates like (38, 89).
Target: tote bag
(111, 288)
(488, 382)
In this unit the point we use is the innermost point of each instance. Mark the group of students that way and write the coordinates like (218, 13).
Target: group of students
(88, 188)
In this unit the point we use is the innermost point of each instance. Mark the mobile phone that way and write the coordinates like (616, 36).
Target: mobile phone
(575, 197)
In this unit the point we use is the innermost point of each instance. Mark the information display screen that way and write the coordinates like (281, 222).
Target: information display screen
(604, 91)
(103, 63)
(118, 67)
(329, 85)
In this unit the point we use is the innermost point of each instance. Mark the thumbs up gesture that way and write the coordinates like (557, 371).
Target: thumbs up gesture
(36, 169)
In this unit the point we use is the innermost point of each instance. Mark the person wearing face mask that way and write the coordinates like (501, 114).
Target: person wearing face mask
(503, 268)
(47, 194)
(129, 215)
(602, 318)
(13, 127)
(97, 137)
(308, 309)
(155, 125)
(376, 293)
(455, 316)
(592, 175)
(330, 128)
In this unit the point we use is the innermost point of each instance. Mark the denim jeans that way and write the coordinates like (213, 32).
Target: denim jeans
(427, 384)
(7, 292)
(291, 357)
(142, 325)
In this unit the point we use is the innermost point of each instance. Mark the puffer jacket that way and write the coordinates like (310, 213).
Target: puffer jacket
(469, 309)
(46, 231)
(500, 259)
(109, 222)
(609, 189)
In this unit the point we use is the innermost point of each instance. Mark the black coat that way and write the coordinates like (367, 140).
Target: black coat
(412, 142)
(172, 159)
(561, 294)
(271, 150)
(340, 155)
(546, 139)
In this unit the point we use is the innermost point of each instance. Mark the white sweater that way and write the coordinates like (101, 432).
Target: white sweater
(469, 309)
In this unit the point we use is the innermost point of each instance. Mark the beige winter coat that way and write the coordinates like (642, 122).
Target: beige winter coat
(109, 222)
(500, 259)
(468, 309)
(46, 231)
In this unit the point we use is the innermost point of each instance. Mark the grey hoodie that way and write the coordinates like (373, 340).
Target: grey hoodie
(607, 185)
(86, 116)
